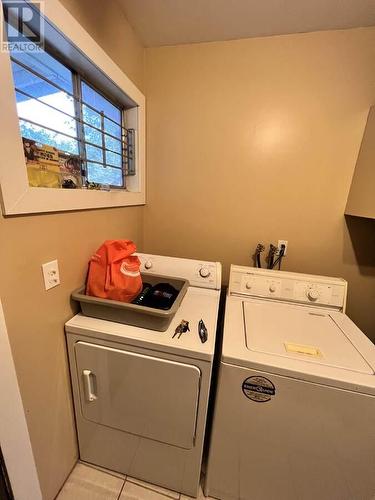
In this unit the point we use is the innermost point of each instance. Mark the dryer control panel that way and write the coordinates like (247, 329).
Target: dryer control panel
(288, 287)
(200, 273)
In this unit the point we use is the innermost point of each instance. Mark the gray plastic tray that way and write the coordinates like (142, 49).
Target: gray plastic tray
(132, 314)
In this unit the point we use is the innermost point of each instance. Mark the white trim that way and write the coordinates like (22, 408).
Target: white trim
(14, 434)
(17, 196)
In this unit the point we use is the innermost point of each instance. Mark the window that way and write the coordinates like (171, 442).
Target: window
(51, 88)
(58, 108)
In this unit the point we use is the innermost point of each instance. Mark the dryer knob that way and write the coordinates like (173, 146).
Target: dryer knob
(204, 272)
(313, 294)
(148, 264)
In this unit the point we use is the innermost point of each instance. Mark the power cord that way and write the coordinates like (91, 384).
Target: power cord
(271, 256)
(259, 249)
(279, 258)
(270, 259)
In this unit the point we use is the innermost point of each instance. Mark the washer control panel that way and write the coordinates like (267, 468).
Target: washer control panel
(288, 287)
(199, 273)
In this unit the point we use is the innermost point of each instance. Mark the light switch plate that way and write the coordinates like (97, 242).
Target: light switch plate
(51, 274)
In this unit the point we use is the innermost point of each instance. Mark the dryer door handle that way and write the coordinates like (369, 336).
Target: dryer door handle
(88, 383)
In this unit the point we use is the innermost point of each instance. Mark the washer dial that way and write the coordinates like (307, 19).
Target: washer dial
(204, 272)
(313, 294)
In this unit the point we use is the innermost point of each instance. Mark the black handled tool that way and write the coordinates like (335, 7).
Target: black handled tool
(202, 331)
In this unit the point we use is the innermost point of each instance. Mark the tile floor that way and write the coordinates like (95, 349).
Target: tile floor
(87, 482)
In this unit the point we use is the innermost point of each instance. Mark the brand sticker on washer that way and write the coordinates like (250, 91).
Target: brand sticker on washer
(258, 389)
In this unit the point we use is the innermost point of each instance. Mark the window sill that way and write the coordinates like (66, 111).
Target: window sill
(37, 200)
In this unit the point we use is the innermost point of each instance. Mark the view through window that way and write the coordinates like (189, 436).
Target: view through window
(56, 107)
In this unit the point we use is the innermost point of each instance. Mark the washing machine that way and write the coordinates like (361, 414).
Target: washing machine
(141, 396)
(295, 404)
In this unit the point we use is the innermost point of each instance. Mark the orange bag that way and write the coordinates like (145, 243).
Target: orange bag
(114, 272)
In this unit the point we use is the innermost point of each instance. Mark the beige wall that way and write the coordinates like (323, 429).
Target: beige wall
(106, 23)
(35, 318)
(256, 140)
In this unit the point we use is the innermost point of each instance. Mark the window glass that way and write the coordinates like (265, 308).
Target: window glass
(49, 126)
(46, 65)
(100, 103)
(50, 107)
(113, 159)
(91, 117)
(109, 136)
(31, 85)
(113, 144)
(104, 175)
(93, 153)
(112, 128)
(33, 110)
(92, 135)
(40, 134)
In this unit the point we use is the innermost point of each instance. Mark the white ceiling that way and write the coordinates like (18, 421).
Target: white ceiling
(170, 22)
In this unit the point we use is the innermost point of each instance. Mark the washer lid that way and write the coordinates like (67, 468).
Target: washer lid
(301, 333)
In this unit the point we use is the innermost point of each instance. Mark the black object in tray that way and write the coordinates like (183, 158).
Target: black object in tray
(159, 296)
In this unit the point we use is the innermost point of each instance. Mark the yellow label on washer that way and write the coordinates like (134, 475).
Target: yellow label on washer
(303, 349)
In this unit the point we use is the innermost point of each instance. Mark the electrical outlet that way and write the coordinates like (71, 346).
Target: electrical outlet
(51, 274)
(282, 242)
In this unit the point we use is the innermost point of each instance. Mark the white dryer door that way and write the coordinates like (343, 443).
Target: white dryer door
(144, 395)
